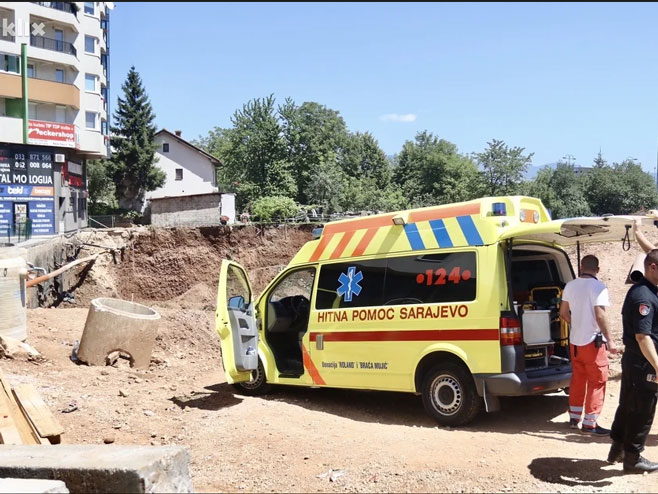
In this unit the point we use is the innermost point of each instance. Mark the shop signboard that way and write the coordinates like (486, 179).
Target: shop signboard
(51, 134)
(26, 185)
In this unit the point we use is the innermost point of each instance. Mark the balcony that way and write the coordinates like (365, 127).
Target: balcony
(53, 44)
(41, 90)
(11, 129)
(63, 6)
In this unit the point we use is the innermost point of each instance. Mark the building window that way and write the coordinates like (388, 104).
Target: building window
(60, 114)
(104, 127)
(90, 82)
(90, 8)
(59, 40)
(30, 70)
(32, 111)
(90, 44)
(59, 75)
(10, 63)
(165, 147)
(179, 174)
(90, 120)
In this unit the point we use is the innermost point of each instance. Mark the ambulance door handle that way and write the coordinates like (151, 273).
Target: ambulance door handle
(319, 342)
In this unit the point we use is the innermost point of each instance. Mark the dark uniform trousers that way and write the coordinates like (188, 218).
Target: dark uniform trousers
(637, 403)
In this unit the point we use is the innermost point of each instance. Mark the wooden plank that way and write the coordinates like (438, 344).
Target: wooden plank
(8, 431)
(36, 410)
(27, 433)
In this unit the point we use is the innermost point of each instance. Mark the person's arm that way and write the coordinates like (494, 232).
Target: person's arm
(641, 239)
(565, 315)
(648, 349)
(602, 321)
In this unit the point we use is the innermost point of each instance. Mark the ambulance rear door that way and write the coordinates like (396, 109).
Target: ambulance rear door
(576, 230)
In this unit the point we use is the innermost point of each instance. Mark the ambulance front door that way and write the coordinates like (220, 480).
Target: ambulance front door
(236, 324)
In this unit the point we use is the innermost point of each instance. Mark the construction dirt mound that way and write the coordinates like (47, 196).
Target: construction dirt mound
(181, 265)
(165, 263)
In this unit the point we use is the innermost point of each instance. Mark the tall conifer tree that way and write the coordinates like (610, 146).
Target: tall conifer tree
(133, 164)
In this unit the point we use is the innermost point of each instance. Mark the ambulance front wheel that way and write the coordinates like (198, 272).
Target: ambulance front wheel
(449, 394)
(257, 385)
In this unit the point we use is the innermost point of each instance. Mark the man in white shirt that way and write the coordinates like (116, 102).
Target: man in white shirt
(583, 306)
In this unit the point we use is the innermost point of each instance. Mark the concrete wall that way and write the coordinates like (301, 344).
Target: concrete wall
(202, 210)
(53, 253)
(198, 171)
(227, 206)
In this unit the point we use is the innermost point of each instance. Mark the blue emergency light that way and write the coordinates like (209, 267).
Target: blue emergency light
(499, 209)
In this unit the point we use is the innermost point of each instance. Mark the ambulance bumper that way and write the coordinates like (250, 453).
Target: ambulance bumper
(521, 383)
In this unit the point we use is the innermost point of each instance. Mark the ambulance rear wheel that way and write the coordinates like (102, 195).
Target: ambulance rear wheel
(449, 394)
(257, 385)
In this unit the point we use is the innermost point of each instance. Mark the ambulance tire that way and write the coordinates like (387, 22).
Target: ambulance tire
(258, 384)
(449, 394)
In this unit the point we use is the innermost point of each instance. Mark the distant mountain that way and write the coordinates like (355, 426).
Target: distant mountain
(532, 171)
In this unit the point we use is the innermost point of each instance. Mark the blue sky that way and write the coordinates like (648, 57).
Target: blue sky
(554, 78)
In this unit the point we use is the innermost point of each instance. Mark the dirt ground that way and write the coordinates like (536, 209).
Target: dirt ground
(297, 439)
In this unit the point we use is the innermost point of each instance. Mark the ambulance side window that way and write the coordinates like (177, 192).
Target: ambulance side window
(351, 284)
(431, 278)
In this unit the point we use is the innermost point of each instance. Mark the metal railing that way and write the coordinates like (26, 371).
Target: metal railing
(49, 79)
(17, 232)
(53, 44)
(63, 6)
(108, 221)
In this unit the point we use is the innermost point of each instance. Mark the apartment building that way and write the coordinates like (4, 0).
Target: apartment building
(54, 93)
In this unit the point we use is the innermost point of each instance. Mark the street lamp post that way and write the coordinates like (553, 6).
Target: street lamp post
(569, 158)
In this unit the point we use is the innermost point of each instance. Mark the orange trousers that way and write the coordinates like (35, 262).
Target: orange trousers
(589, 376)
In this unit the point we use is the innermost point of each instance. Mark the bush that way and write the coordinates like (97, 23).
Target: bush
(269, 208)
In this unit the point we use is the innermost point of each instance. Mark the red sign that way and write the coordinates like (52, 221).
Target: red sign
(51, 134)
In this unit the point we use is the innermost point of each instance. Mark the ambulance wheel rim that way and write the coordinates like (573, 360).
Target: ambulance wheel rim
(257, 379)
(447, 395)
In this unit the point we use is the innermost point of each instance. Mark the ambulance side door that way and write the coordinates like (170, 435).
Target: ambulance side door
(235, 323)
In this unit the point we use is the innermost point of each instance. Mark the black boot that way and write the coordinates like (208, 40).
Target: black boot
(616, 453)
(634, 463)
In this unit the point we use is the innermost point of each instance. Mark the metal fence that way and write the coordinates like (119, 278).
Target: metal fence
(109, 221)
(17, 232)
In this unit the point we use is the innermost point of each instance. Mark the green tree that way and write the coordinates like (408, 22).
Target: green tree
(133, 163)
(313, 134)
(217, 142)
(503, 167)
(268, 208)
(100, 187)
(623, 188)
(363, 158)
(255, 156)
(561, 190)
(326, 186)
(431, 171)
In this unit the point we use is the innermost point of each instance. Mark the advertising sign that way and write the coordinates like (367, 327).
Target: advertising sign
(26, 187)
(51, 134)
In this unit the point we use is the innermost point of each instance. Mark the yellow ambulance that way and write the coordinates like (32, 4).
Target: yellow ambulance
(457, 303)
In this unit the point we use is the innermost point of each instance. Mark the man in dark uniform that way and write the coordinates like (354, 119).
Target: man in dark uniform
(639, 390)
